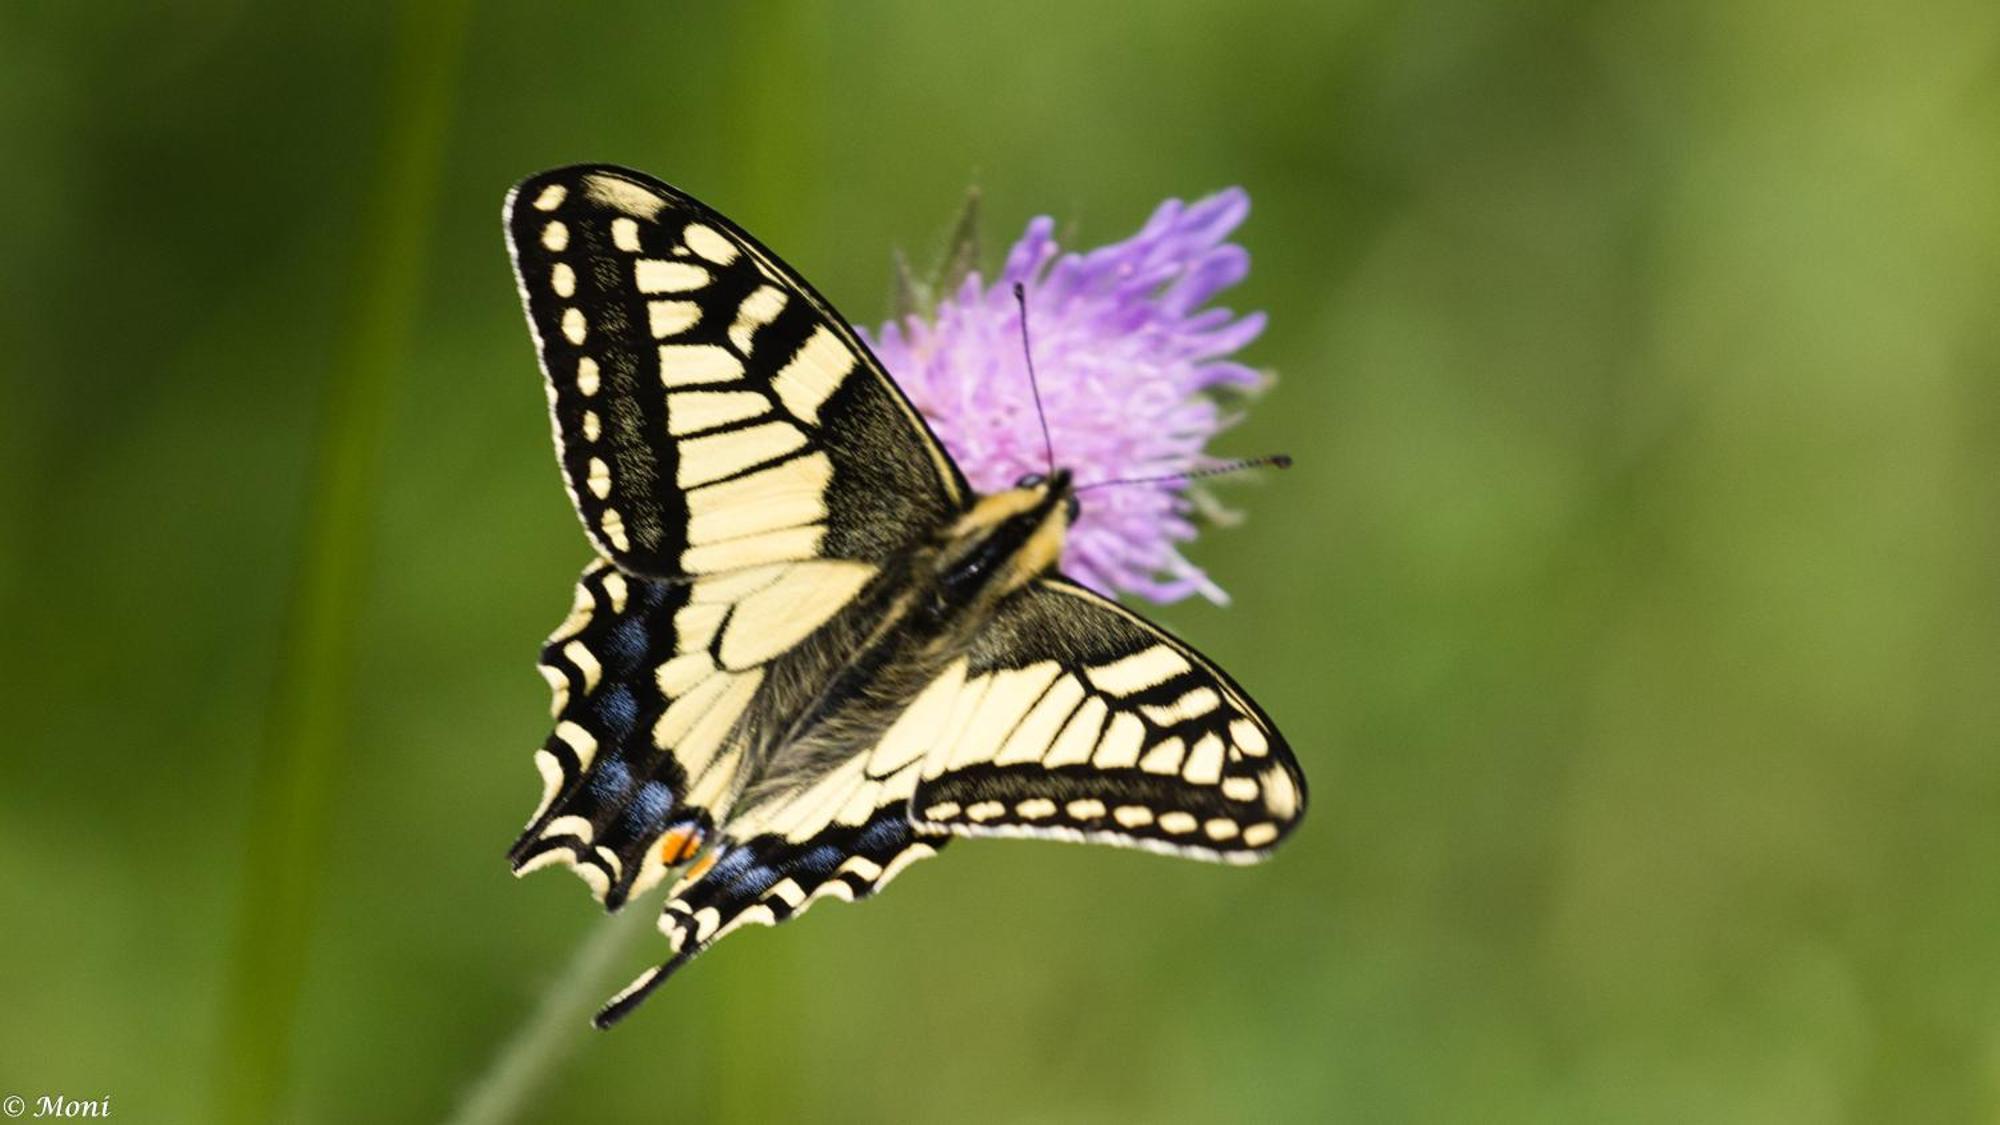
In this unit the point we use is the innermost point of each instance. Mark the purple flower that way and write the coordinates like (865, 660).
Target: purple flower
(1127, 360)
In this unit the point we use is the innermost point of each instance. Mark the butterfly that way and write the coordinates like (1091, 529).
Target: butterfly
(808, 652)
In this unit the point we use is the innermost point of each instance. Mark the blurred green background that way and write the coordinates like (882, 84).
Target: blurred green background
(1632, 607)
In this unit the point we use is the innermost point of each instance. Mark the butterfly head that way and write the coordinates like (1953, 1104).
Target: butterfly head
(1008, 538)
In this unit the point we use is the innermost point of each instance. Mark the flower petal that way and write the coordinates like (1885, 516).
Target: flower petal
(1126, 354)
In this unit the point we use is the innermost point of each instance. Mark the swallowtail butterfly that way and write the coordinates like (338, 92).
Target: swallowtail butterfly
(808, 653)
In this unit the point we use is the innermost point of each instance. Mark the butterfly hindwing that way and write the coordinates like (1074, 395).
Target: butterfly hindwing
(1072, 718)
(711, 411)
(655, 685)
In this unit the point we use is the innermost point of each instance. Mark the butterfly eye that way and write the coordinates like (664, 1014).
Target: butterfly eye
(1032, 480)
(1074, 507)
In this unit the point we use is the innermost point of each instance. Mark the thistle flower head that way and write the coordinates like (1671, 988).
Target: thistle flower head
(1129, 362)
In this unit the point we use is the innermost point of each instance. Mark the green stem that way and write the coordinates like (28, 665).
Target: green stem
(558, 1025)
(307, 723)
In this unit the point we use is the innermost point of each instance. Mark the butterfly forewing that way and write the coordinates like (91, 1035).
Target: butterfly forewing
(711, 410)
(1072, 718)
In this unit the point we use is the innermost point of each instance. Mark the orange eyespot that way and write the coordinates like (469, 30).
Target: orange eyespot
(676, 846)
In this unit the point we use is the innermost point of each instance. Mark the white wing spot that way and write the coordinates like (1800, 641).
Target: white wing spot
(814, 373)
(691, 412)
(555, 237)
(684, 365)
(1139, 671)
(1280, 795)
(862, 866)
(1122, 740)
(582, 608)
(1088, 808)
(1177, 822)
(1164, 757)
(1079, 735)
(586, 376)
(943, 810)
(600, 478)
(903, 859)
(695, 624)
(551, 197)
(573, 327)
(1219, 828)
(985, 810)
(705, 241)
(1133, 816)
(1248, 738)
(625, 234)
(626, 196)
(580, 742)
(758, 309)
(656, 275)
(551, 771)
(716, 456)
(1239, 788)
(610, 859)
(671, 318)
(1204, 765)
(683, 673)
(612, 526)
(705, 921)
(1196, 703)
(1257, 835)
(592, 427)
(559, 688)
(562, 279)
(1036, 808)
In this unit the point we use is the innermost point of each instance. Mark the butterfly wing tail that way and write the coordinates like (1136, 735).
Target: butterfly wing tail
(769, 879)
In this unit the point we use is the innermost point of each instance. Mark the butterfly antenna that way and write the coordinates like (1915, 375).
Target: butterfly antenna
(1034, 384)
(1275, 461)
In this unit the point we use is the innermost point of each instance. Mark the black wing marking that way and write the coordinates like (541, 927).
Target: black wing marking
(1073, 718)
(711, 410)
(652, 683)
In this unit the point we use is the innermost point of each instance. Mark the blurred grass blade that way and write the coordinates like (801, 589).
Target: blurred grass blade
(560, 1022)
(307, 720)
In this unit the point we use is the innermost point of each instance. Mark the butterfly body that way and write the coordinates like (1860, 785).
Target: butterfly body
(808, 653)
